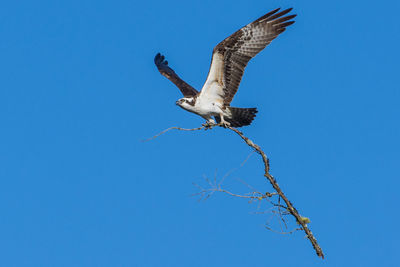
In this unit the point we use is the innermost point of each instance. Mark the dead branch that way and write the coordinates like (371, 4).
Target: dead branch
(301, 221)
(277, 188)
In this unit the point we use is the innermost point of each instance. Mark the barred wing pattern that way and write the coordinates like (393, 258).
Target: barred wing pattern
(165, 70)
(231, 56)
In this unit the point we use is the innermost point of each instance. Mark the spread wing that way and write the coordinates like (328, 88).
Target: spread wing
(231, 56)
(166, 71)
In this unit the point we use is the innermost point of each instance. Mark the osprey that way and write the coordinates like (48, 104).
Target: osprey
(228, 62)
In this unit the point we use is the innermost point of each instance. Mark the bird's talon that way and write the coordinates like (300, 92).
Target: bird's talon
(208, 125)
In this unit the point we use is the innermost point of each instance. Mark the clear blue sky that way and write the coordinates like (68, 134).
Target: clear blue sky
(79, 90)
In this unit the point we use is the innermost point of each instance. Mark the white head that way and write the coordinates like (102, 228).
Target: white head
(186, 103)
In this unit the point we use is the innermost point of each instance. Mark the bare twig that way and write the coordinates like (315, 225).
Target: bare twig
(216, 186)
(284, 233)
(173, 128)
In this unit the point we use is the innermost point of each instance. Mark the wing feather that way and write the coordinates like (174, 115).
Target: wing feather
(165, 70)
(230, 57)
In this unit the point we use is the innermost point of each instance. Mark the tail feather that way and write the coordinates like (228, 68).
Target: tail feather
(239, 116)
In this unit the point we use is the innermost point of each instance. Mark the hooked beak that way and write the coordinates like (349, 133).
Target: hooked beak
(177, 103)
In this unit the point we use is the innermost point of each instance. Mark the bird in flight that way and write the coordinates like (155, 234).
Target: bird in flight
(229, 59)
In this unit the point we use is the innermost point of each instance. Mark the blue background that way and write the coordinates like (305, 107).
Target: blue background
(79, 91)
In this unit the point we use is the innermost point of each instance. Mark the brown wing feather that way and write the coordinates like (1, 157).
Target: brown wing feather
(166, 71)
(244, 44)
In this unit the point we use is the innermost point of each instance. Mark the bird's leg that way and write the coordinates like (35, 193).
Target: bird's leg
(223, 123)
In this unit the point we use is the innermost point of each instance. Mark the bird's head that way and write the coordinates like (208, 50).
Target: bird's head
(186, 102)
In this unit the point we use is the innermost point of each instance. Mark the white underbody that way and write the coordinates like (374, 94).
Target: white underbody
(208, 105)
